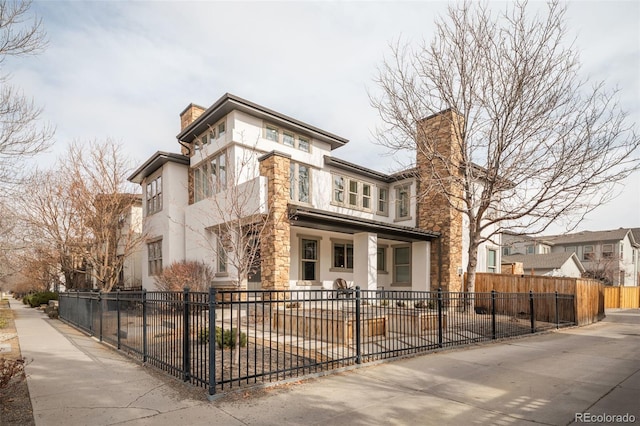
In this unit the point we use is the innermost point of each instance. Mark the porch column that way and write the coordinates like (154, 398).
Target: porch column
(420, 265)
(365, 264)
(275, 240)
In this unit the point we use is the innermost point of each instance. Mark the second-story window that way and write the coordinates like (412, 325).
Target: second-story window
(287, 137)
(353, 193)
(402, 202)
(607, 251)
(210, 177)
(587, 253)
(338, 189)
(299, 183)
(272, 133)
(154, 195)
(383, 201)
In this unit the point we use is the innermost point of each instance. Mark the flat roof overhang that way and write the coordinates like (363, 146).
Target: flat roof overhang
(328, 221)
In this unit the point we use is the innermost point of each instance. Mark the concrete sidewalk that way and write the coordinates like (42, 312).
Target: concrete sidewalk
(542, 379)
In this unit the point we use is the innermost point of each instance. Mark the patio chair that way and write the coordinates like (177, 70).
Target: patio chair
(344, 289)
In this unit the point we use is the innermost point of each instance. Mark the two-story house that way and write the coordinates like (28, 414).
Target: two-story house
(326, 218)
(612, 255)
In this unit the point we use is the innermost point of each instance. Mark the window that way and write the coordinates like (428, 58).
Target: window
(154, 195)
(402, 265)
(222, 128)
(506, 251)
(492, 261)
(309, 259)
(621, 251)
(288, 138)
(343, 256)
(570, 250)
(338, 189)
(299, 182)
(381, 259)
(587, 253)
(383, 200)
(221, 253)
(353, 193)
(303, 144)
(155, 257)
(531, 249)
(402, 202)
(366, 196)
(210, 177)
(607, 251)
(272, 134)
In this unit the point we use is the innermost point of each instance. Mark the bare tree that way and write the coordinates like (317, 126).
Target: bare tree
(534, 143)
(51, 220)
(21, 136)
(109, 206)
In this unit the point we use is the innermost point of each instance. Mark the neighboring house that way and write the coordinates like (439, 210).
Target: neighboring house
(124, 235)
(612, 256)
(548, 264)
(523, 244)
(342, 220)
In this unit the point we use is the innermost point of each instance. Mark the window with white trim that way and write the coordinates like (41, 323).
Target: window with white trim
(299, 183)
(338, 189)
(221, 253)
(402, 202)
(402, 265)
(154, 195)
(492, 261)
(286, 137)
(383, 201)
(607, 251)
(381, 259)
(154, 260)
(210, 176)
(588, 253)
(342, 255)
(353, 193)
(309, 263)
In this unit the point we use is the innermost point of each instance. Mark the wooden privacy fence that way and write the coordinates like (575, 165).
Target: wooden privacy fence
(621, 297)
(589, 294)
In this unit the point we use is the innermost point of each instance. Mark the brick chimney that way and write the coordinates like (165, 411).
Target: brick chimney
(438, 133)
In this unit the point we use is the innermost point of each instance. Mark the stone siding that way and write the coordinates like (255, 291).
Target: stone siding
(276, 239)
(438, 134)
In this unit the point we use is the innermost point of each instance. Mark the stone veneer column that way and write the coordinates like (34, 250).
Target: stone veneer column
(276, 239)
(434, 211)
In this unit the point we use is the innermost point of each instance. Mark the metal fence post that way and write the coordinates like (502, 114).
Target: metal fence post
(440, 317)
(358, 319)
(91, 314)
(532, 312)
(118, 315)
(493, 314)
(557, 313)
(212, 341)
(144, 325)
(185, 336)
(100, 311)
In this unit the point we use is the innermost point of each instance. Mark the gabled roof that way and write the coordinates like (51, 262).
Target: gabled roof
(589, 237)
(156, 161)
(543, 261)
(229, 102)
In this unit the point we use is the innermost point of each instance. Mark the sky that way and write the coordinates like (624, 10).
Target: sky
(125, 70)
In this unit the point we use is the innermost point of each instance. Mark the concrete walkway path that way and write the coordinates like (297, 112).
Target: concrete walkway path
(543, 379)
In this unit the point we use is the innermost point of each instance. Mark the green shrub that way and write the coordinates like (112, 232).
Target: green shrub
(36, 299)
(223, 340)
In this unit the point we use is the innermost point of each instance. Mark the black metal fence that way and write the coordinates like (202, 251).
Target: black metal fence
(225, 339)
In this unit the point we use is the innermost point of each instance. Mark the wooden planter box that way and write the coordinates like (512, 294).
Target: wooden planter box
(413, 321)
(327, 326)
